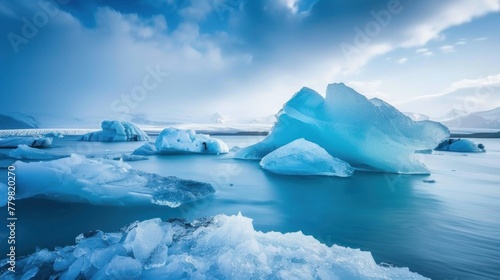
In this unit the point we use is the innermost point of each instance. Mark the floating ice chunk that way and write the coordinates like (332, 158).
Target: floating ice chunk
(130, 157)
(123, 268)
(147, 243)
(3, 194)
(460, 145)
(115, 131)
(26, 152)
(368, 134)
(302, 157)
(222, 247)
(32, 141)
(146, 149)
(177, 141)
(102, 181)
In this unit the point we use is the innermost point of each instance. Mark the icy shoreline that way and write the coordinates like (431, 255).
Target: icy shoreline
(220, 247)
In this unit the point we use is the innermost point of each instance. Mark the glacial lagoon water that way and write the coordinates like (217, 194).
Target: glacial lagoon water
(444, 226)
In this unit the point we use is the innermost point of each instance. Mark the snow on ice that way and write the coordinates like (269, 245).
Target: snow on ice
(178, 141)
(221, 247)
(368, 134)
(302, 157)
(104, 182)
(116, 131)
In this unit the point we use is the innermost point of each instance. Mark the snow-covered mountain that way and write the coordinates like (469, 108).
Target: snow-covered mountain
(462, 96)
(218, 118)
(486, 120)
(416, 116)
(452, 114)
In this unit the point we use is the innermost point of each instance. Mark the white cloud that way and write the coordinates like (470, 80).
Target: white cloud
(469, 95)
(492, 80)
(480, 39)
(208, 67)
(455, 13)
(447, 49)
(424, 52)
(452, 13)
(369, 89)
(471, 83)
(292, 5)
(197, 10)
(421, 51)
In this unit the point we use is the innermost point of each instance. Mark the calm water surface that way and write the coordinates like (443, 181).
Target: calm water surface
(445, 228)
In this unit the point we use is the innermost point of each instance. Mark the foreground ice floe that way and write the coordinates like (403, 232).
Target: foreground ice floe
(302, 157)
(222, 247)
(178, 141)
(368, 134)
(26, 152)
(32, 141)
(116, 131)
(102, 181)
(460, 145)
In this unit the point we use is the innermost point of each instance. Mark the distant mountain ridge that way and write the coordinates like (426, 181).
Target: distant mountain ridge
(486, 119)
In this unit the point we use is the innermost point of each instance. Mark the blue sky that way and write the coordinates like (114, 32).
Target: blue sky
(193, 58)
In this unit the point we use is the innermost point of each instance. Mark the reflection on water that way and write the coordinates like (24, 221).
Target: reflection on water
(446, 229)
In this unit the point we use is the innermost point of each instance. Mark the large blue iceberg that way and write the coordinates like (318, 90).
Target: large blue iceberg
(103, 182)
(116, 131)
(221, 247)
(368, 134)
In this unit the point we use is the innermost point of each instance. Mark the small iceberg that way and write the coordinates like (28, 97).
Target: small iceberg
(302, 157)
(460, 145)
(130, 157)
(368, 134)
(178, 141)
(26, 152)
(116, 131)
(31, 141)
(103, 182)
(220, 247)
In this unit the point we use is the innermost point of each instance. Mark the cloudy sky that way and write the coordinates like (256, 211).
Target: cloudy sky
(243, 58)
